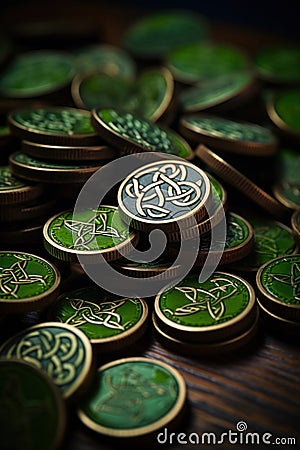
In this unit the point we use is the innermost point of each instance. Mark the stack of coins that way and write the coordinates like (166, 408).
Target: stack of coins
(207, 318)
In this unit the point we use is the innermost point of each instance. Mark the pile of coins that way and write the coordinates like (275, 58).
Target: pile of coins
(222, 129)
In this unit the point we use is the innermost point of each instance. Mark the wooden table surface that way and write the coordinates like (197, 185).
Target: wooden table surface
(258, 385)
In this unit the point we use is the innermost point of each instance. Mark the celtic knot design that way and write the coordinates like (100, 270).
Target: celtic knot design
(98, 314)
(58, 353)
(168, 192)
(86, 232)
(15, 276)
(210, 300)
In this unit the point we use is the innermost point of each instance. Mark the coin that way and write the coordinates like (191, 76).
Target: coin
(271, 239)
(283, 110)
(154, 35)
(237, 180)
(163, 195)
(28, 282)
(200, 61)
(221, 307)
(238, 243)
(53, 125)
(68, 153)
(278, 64)
(133, 134)
(36, 73)
(48, 171)
(223, 92)
(277, 281)
(229, 135)
(207, 350)
(88, 233)
(110, 322)
(60, 350)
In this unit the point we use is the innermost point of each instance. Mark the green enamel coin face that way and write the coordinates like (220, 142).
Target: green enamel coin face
(8, 181)
(191, 306)
(279, 64)
(147, 194)
(25, 392)
(30, 161)
(99, 314)
(155, 35)
(133, 396)
(287, 109)
(101, 90)
(62, 351)
(61, 121)
(203, 61)
(25, 278)
(143, 133)
(150, 93)
(221, 128)
(109, 60)
(271, 239)
(279, 279)
(36, 73)
(88, 232)
(215, 91)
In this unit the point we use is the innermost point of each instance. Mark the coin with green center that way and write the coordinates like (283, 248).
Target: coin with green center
(27, 282)
(221, 306)
(25, 391)
(271, 239)
(131, 134)
(107, 320)
(88, 233)
(58, 349)
(56, 125)
(278, 283)
(221, 90)
(278, 64)
(201, 61)
(132, 397)
(284, 111)
(288, 194)
(229, 135)
(154, 35)
(34, 74)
